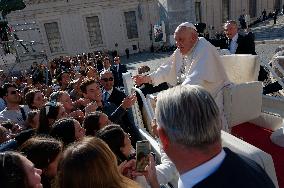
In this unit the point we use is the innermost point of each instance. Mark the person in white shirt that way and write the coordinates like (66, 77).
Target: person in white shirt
(106, 64)
(189, 128)
(14, 111)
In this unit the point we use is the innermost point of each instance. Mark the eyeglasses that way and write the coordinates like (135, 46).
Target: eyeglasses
(107, 79)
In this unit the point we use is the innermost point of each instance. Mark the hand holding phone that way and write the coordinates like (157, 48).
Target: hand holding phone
(143, 150)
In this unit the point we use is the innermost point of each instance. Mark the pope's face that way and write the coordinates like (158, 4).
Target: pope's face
(184, 40)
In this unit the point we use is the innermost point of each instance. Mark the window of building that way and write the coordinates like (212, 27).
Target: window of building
(198, 12)
(131, 24)
(53, 37)
(252, 8)
(94, 30)
(226, 10)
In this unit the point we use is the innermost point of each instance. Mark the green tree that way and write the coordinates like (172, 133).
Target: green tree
(7, 6)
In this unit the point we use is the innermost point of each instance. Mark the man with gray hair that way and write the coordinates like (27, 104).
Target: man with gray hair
(190, 132)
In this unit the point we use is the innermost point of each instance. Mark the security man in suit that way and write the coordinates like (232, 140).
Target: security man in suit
(188, 125)
(113, 95)
(241, 44)
(237, 43)
(117, 70)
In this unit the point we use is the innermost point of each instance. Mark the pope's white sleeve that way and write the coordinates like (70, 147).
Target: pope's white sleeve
(166, 171)
(166, 72)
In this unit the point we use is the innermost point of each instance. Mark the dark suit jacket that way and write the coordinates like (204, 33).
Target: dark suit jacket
(114, 113)
(125, 122)
(150, 89)
(235, 172)
(116, 96)
(118, 82)
(246, 44)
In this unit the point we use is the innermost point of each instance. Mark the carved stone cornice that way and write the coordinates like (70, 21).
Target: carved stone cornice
(33, 2)
(38, 7)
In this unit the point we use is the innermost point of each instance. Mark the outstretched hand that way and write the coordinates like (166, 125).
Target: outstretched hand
(149, 173)
(128, 101)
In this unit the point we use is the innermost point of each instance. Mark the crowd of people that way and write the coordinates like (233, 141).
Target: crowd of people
(64, 105)
(67, 125)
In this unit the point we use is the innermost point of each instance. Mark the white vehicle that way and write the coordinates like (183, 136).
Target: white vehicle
(252, 116)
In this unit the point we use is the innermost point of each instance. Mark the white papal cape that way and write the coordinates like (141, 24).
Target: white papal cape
(202, 67)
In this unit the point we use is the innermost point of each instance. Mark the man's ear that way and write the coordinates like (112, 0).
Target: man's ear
(163, 137)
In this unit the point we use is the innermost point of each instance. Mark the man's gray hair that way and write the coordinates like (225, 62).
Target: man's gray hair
(232, 22)
(105, 72)
(189, 116)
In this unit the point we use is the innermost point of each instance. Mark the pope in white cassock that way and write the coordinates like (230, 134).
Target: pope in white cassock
(194, 62)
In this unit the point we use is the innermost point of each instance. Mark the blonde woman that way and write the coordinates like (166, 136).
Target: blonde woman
(90, 163)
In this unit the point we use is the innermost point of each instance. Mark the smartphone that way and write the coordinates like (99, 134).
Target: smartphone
(143, 150)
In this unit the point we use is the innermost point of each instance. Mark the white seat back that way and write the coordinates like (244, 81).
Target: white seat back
(241, 68)
(242, 102)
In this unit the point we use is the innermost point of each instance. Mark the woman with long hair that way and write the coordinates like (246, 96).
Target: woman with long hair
(68, 130)
(48, 114)
(118, 141)
(34, 99)
(17, 171)
(90, 163)
(44, 153)
(63, 97)
(95, 121)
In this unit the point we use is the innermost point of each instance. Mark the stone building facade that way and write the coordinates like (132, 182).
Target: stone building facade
(69, 27)
(213, 12)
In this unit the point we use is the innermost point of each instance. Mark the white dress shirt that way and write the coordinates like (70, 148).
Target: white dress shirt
(196, 175)
(117, 68)
(108, 69)
(166, 171)
(234, 44)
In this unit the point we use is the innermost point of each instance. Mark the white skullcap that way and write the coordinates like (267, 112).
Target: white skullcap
(186, 24)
